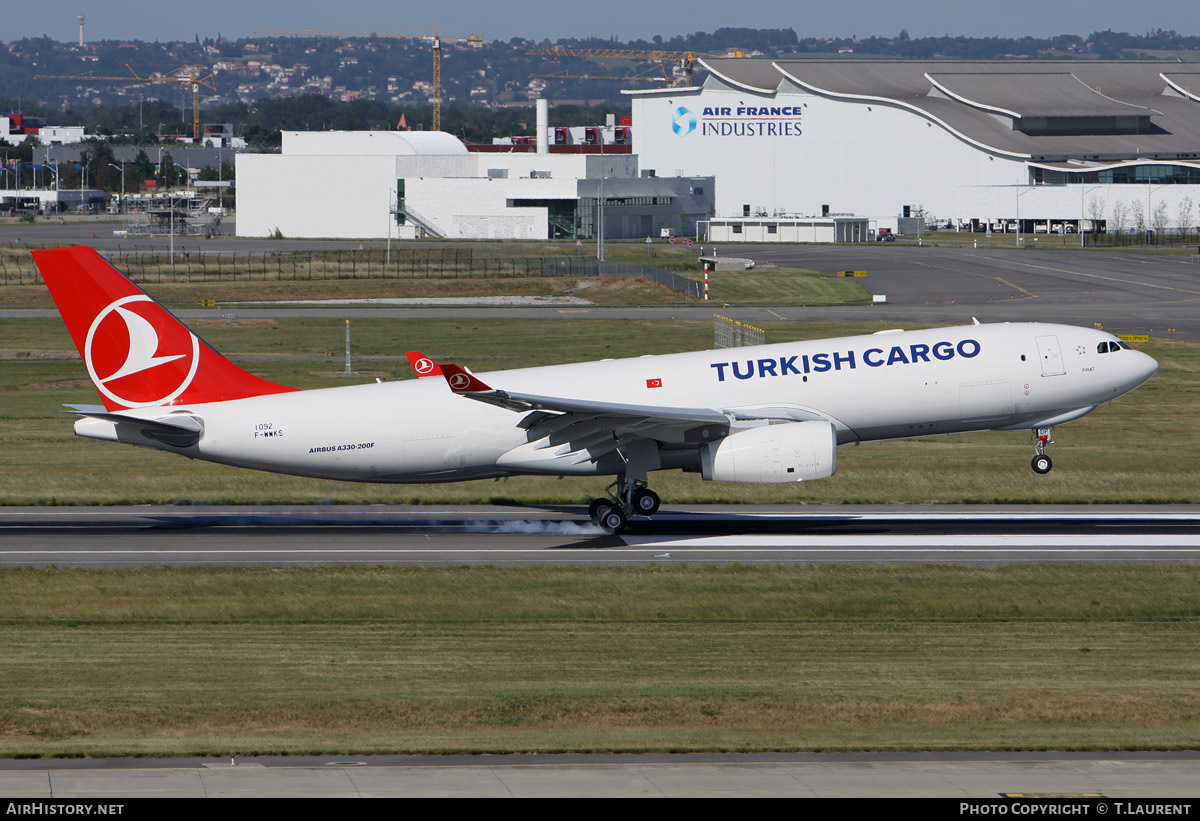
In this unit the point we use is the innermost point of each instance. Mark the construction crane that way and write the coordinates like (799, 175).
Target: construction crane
(183, 74)
(654, 74)
(435, 41)
(685, 59)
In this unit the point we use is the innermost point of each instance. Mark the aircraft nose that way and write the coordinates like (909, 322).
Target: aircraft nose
(1144, 367)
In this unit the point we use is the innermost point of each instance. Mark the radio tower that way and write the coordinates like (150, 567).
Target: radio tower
(81, 18)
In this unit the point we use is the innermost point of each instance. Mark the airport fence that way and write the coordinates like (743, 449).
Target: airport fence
(193, 264)
(1167, 238)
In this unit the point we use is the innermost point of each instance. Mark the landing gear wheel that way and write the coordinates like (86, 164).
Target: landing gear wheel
(594, 508)
(611, 519)
(1042, 464)
(646, 501)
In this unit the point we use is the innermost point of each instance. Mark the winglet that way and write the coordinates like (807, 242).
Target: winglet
(462, 382)
(423, 365)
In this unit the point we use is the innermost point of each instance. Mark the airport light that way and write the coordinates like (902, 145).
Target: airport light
(598, 217)
(171, 208)
(1149, 211)
(1083, 213)
(1021, 193)
(55, 167)
(122, 170)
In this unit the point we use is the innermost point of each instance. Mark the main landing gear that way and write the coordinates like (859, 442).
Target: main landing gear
(1041, 462)
(628, 499)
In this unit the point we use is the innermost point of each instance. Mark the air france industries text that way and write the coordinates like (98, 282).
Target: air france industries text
(746, 121)
(750, 129)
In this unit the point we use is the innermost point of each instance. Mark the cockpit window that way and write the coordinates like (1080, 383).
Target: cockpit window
(1113, 346)
(1105, 347)
(1102, 347)
(1125, 345)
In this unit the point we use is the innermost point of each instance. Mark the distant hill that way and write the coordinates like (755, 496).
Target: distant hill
(374, 79)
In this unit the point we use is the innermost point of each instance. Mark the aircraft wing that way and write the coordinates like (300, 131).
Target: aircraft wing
(469, 385)
(593, 428)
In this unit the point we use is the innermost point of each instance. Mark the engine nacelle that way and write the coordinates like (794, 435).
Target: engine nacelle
(792, 452)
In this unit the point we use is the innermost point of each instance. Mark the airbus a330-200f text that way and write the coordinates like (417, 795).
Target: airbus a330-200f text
(770, 413)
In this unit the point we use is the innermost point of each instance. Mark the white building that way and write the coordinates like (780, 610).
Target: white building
(50, 200)
(61, 134)
(411, 184)
(16, 128)
(1053, 143)
(788, 229)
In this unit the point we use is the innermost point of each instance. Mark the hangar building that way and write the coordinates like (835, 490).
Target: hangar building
(429, 184)
(1058, 145)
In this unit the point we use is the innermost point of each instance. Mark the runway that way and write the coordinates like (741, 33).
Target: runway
(1082, 780)
(446, 536)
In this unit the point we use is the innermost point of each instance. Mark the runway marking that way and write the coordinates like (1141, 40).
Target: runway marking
(1014, 285)
(971, 517)
(1171, 542)
(1167, 543)
(462, 515)
(1103, 277)
(1027, 293)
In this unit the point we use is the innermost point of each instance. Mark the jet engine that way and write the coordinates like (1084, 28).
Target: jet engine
(791, 452)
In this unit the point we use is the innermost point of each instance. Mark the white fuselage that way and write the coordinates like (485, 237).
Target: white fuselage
(880, 386)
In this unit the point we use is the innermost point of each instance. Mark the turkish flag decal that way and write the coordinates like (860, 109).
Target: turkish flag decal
(653, 383)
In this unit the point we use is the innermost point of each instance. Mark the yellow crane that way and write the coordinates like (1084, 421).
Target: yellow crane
(684, 59)
(435, 41)
(183, 74)
(654, 74)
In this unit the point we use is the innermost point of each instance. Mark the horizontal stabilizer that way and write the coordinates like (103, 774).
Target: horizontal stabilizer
(178, 429)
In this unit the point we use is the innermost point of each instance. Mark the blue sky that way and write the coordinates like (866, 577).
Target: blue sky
(626, 19)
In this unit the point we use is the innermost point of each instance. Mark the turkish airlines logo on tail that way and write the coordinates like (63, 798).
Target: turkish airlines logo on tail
(423, 366)
(460, 381)
(129, 348)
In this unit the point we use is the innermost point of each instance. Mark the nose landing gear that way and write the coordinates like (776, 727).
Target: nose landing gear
(1041, 462)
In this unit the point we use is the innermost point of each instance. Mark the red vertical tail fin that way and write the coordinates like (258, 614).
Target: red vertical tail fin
(136, 352)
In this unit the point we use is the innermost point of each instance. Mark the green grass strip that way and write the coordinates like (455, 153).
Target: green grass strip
(213, 662)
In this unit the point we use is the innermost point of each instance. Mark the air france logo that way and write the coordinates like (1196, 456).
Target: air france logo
(423, 366)
(683, 122)
(123, 342)
(460, 381)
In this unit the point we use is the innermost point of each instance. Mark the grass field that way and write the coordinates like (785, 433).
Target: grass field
(158, 662)
(1142, 448)
(770, 286)
(178, 662)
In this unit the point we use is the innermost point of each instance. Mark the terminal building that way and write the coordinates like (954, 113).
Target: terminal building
(1049, 145)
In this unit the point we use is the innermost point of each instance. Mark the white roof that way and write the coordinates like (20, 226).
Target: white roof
(372, 143)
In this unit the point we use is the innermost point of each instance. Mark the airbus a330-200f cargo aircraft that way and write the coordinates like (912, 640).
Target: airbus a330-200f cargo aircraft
(771, 413)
